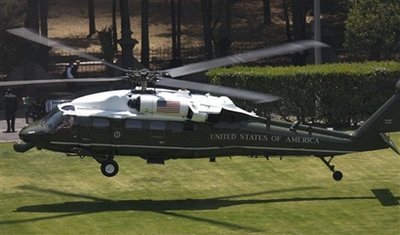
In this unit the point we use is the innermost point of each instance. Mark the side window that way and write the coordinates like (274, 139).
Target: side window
(157, 129)
(101, 123)
(157, 126)
(190, 126)
(175, 126)
(134, 124)
(85, 122)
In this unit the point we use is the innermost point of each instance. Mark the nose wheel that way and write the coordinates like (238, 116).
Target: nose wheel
(109, 168)
(337, 175)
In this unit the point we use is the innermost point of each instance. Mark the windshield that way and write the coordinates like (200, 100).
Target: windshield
(53, 118)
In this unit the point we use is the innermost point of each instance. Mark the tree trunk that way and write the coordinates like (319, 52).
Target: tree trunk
(224, 41)
(287, 20)
(299, 29)
(267, 11)
(126, 42)
(114, 25)
(32, 15)
(44, 51)
(30, 49)
(206, 11)
(173, 27)
(176, 33)
(145, 53)
(228, 16)
(43, 17)
(92, 22)
(178, 28)
(299, 19)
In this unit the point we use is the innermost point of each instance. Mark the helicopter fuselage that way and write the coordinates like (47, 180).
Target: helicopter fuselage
(175, 124)
(158, 125)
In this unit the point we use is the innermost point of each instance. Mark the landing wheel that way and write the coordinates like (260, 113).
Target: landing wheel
(109, 168)
(337, 175)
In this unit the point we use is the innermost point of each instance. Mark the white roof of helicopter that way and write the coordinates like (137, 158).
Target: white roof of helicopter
(114, 104)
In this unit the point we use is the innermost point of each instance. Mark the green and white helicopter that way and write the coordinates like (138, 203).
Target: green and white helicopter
(159, 124)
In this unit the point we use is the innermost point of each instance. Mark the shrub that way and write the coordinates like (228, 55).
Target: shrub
(335, 94)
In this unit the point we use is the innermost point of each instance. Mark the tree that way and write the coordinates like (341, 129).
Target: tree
(114, 25)
(43, 16)
(11, 12)
(105, 37)
(372, 30)
(267, 11)
(32, 16)
(299, 10)
(145, 53)
(36, 20)
(285, 8)
(126, 42)
(92, 22)
(176, 32)
(43, 9)
(11, 15)
(224, 38)
(206, 10)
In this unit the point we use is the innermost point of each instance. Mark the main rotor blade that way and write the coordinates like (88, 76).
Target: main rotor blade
(255, 97)
(48, 81)
(283, 49)
(34, 37)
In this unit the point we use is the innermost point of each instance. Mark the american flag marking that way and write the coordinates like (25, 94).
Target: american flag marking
(164, 106)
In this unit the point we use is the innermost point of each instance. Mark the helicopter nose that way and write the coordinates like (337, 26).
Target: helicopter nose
(25, 134)
(32, 133)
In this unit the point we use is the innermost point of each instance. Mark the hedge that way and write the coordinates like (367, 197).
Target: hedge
(335, 94)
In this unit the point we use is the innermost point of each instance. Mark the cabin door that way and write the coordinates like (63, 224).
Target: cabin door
(117, 131)
(94, 131)
(157, 129)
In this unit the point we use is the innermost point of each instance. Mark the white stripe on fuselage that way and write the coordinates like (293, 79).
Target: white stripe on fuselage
(199, 148)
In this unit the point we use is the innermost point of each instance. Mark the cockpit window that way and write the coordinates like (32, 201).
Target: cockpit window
(53, 118)
(66, 122)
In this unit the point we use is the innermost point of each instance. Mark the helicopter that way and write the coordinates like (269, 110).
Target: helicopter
(168, 121)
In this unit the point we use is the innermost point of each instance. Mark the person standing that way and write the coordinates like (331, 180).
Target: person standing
(68, 70)
(74, 69)
(11, 107)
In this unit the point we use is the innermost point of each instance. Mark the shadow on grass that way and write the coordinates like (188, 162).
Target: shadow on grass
(386, 197)
(91, 204)
(168, 207)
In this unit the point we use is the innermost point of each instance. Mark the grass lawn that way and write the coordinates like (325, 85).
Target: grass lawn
(49, 193)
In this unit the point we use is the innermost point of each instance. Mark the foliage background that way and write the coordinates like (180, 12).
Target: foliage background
(339, 95)
(373, 30)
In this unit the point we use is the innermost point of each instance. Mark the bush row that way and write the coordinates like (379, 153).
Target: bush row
(335, 94)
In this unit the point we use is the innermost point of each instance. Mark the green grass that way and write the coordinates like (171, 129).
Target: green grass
(49, 193)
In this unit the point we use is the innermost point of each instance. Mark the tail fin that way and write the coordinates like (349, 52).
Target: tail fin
(386, 119)
(372, 135)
